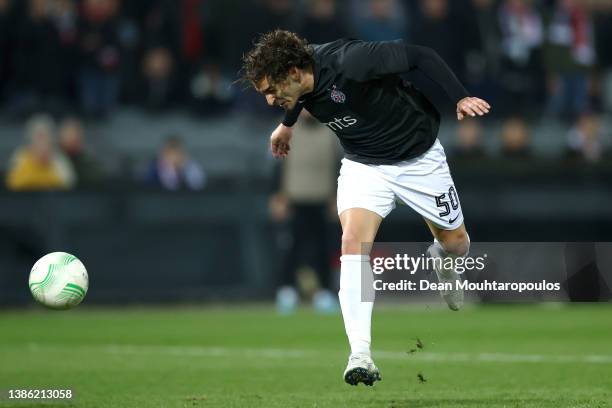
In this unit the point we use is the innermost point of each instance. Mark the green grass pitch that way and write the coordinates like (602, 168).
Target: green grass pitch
(247, 356)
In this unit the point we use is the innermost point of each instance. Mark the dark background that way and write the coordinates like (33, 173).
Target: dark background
(537, 169)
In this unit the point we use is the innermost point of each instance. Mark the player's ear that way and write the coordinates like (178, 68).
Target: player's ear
(256, 85)
(294, 74)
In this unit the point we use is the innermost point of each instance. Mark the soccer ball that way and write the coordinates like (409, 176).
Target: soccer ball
(59, 280)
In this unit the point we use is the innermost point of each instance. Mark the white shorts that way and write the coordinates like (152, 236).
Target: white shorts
(424, 183)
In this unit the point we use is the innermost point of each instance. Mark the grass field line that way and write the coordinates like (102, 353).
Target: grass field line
(281, 353)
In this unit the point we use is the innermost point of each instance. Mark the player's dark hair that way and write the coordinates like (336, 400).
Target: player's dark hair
(273, 54)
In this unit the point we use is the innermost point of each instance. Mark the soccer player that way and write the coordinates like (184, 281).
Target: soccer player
(388, 131)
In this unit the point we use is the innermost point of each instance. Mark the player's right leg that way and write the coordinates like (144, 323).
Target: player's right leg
(359, 227)
(364, 199)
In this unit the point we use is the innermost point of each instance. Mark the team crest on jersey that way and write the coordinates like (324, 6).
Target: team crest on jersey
(337, 95)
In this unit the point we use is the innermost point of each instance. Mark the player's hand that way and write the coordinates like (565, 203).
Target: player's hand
(471, 106)
(279, 141)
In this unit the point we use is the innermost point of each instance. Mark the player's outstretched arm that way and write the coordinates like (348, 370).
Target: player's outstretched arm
(279, 141)
(369, 60)
(471, 106)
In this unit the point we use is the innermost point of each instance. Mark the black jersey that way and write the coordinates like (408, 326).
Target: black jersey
(358, 93)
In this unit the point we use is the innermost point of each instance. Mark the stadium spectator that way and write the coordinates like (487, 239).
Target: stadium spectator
(172, 169)
(192, 32)
(71, 141)
(322, 22)
(38, 166)
(469, 141)
(159, 81)
(603, 39)
(161, 25)
(260, 17)
(436, 28)
(208, 52)
(379, 20)
(516, 139)
(584, 141)
(6, 38)
(210, 90)
(521, 77)
(130, 42)
(159, 77)
(36, 69)
(304, 193)
(481, 38)
(66, 19)
(569, 54)
(208, 35)
(265, 15)
(435, 25)
(99, 79)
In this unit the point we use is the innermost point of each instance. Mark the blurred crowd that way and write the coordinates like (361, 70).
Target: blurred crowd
(78, 60)
(527, 57)
(55, 157)
(585, 142)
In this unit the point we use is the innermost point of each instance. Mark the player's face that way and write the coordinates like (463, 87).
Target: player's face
(284, 94)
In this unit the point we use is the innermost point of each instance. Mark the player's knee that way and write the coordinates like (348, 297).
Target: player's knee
(456, 242)
(351, 244)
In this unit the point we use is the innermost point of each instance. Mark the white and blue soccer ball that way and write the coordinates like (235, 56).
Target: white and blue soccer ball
(59, 281)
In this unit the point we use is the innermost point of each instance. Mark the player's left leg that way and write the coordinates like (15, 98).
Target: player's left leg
(426, 185)
(455, 242)
(449, 244)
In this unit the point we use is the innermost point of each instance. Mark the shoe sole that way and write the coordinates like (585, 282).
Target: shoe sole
(359, 374)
